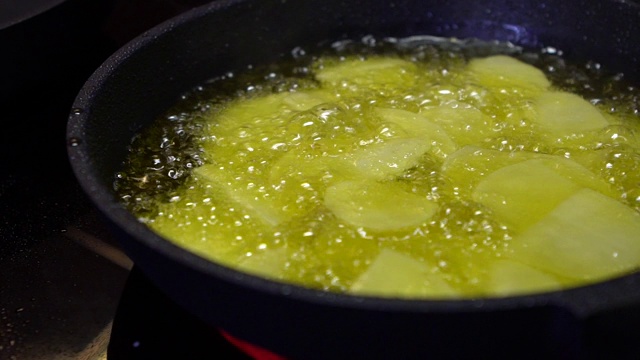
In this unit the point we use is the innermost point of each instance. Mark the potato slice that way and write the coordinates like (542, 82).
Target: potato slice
(186, 222)
(264, 112)
(376, 72)
(465, 124)
(520, 195)
(269, 263)
(589, 236)
(387, 159)
(393, 274)
(420, 127)
(507, 278)
(298, 165)
(465, 168)
(523, 193)
(252, 200)
(564, 113)
(377, 206)
(501, 71)
(272, 105)
(381, 161)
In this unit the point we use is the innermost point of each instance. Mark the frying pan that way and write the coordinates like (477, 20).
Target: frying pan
(146, 76)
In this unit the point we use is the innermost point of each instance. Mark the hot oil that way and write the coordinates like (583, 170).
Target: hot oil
(303, 241)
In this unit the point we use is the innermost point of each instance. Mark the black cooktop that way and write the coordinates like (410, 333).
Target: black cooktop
(62, 275)
(148, 325)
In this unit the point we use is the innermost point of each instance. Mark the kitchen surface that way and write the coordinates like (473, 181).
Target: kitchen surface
(63, 275)
(68, 291)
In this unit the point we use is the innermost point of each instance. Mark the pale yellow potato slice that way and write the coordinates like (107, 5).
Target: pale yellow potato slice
(589, 237)
(228, 188)
(393, 274)
(468, 166)
(387, 159)
(520, 195)
(186, 221)
(377, 206)
(500, 71)
(419, 126)
(370, 72)
(269, 263)
(298, 165)
(381, 161)
(272, 105)
(509, 278)
(262, 113)
(577, 173)
(463, 123)
(563, 113)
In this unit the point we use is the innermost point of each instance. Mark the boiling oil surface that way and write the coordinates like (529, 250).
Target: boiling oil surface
(339, 167)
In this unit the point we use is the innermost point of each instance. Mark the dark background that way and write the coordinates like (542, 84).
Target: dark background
(61, 275)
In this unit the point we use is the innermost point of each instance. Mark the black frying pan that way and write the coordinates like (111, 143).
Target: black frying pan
(147, 75)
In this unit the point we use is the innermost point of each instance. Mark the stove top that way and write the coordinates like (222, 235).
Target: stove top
(148, 325)
(62, 274)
